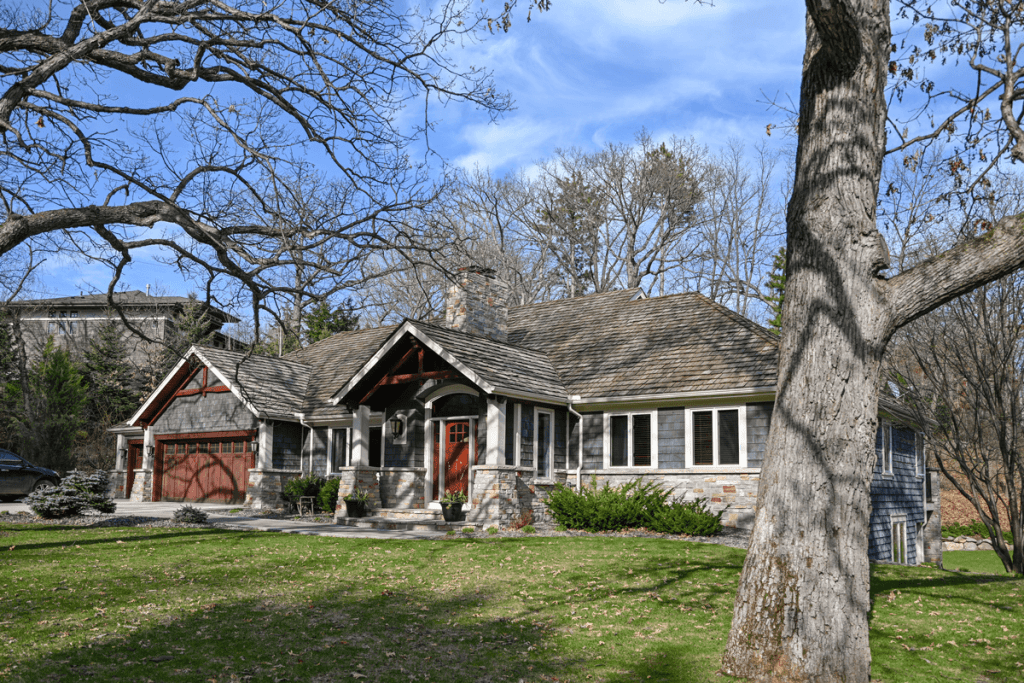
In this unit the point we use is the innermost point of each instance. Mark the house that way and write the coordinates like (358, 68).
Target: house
(502, 404)
(72, 320)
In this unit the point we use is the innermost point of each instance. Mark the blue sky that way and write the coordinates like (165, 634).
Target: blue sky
(585, 74)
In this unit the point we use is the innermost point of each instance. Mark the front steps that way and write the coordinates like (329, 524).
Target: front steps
(405, 519)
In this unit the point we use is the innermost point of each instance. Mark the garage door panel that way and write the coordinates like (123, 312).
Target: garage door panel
(213, 470)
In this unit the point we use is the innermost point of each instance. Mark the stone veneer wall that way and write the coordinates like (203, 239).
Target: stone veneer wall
(118, 479)
(402, 487)
(142, 489)
(734, 493)
(361, 477)
(478, 304)
(933, 545)
(265, 488)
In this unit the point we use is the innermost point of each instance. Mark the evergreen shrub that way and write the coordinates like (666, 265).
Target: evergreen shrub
(635, 504)
(78, 491)
(327, 499)
(188, 514)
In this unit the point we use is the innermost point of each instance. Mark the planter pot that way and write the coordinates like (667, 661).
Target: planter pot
(452, 512)
(355, 508)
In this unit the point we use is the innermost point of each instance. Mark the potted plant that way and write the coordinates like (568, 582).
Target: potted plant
(355, 503)
(451, 505)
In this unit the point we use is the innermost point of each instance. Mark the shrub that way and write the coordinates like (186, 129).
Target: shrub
(468, 529)
(492, 530)
(187, 514)
(632, 505)
(303, 486)
(528, 529)
(692, 518)
(327, 499)
(78, 491)
(975, 528)
(525, 517)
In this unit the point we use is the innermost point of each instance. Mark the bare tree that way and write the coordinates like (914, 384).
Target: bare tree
(728, 255)
(237, 95)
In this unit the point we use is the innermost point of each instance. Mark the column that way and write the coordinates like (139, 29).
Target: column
(361, 437)
(265, 441)
(495, 453)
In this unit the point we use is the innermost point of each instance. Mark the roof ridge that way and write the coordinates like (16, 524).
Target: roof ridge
(595, 295)
(509, 344)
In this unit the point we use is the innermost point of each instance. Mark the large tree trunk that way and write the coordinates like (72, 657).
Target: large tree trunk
(802, 606)
(801, 611)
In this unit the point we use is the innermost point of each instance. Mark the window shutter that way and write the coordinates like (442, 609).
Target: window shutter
(641, 440)
(620, 436)
(703, 446)
(728, 437)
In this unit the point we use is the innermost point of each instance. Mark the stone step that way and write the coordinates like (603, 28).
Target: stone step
(406, 513)
(422, 524)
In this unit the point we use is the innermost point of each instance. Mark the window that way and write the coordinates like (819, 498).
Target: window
(339, 448)
(886, 448)
(545, 442)
(919, 454)
(631, 439)
(717, 437)
(899, 538)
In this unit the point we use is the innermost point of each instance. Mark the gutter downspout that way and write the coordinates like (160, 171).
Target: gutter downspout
(579, 468)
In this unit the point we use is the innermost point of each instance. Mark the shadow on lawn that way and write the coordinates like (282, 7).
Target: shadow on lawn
(189, 534)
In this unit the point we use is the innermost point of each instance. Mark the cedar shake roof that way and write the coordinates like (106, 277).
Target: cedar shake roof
(507, 368)
(334, 360)
(608, 345)
(612, 345)
(273, 386)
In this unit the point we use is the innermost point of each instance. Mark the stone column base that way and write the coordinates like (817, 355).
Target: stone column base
(142, 489)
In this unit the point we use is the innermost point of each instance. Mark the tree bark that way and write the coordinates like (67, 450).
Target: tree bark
(801, 611)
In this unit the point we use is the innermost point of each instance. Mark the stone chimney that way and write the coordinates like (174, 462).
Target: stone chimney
(478, 304)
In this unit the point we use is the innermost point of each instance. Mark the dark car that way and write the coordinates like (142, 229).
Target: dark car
(19, 477)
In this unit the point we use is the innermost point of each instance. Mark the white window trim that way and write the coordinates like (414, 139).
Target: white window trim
(887, 449)
(537, 412)
(900, 522)
(742, 436)
(330, 447)
(607, 429)
(517, 442)
(919, 455)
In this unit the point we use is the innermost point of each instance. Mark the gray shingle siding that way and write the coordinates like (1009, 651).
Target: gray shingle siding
(219, 412)
(671, 438)
(409, 454)
(899, 493)
(560, 441)
(287, 453)
(759, 418)
(526, 430)
(593, 440)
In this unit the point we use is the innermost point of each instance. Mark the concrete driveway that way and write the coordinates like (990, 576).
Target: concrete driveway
(218, 514)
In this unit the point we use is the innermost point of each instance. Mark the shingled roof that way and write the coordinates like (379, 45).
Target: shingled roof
(618, 345)
(274, 387)
(133, 298)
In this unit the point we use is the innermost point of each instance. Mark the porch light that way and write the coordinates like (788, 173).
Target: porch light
(397, 425)
(122, 452)
(149, 450)
(254, 446)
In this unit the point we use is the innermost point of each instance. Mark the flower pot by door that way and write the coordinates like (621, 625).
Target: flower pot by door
(355, 508)
(452, 512)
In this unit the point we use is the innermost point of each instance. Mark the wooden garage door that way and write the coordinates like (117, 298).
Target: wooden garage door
(211, 470)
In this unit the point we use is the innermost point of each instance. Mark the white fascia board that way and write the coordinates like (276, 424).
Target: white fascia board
(396, 336)
(152, 397)
(528, 396)
(755, 394)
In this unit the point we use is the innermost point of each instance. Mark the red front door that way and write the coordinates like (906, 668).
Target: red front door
(456, 458)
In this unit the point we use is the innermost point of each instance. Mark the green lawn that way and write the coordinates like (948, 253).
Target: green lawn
(214, 605)
(984, 561)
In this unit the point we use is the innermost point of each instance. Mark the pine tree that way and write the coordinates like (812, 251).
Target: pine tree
(777, 291)
(323, 322)
(192, 327)
(109, 377)
(52, 411)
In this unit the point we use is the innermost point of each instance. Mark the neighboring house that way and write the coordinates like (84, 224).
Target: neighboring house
(73, 320)
(501, 404)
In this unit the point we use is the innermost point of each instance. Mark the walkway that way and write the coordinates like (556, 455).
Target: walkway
(219, 515)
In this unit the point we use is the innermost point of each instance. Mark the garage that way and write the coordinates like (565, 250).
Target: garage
(204, 468)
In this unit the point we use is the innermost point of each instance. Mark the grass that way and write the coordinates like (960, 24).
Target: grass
(214, 605)
(982, 561)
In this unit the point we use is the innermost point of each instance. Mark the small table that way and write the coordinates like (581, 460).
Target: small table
(306, 504)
